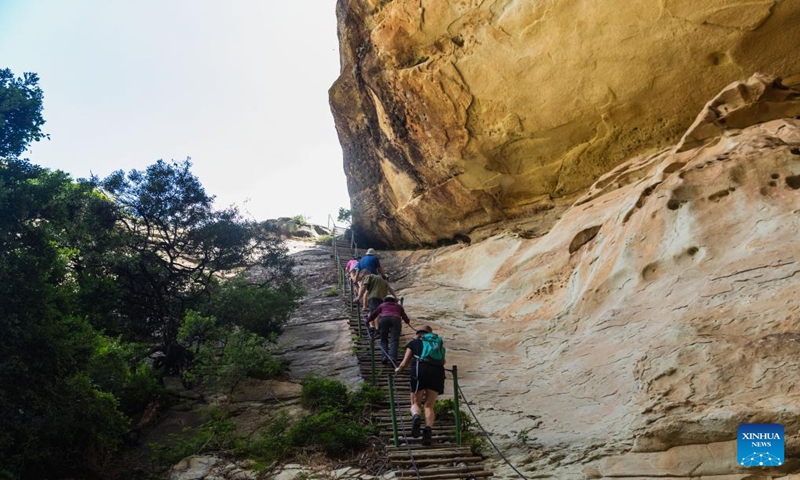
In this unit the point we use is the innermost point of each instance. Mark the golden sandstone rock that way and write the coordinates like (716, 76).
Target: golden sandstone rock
(457, 114)
(658, 314)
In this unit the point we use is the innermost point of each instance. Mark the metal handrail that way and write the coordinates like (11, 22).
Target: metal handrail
(343, 281)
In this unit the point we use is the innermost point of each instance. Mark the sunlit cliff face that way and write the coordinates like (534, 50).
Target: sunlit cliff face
(660, 312)
(455, 114)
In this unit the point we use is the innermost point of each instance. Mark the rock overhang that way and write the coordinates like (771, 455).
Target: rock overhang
(454, 115)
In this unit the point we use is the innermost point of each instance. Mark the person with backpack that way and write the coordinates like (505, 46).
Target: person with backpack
(390, 313)
(427, 378)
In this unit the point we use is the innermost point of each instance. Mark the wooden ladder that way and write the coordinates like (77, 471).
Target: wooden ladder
(443, 459)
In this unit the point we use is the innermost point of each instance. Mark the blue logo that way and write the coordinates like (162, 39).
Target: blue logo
(760, 445)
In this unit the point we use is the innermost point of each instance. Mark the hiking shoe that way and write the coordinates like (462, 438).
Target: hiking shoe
(426, 435)
(415, 424)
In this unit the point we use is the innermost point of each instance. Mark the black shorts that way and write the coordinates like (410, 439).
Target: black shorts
(427, 376)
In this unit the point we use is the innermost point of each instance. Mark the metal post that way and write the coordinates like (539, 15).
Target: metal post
(349, 298)
(372, 358)
(341, 275)
(352, 295)
(339, 271)
(393, 407)
(358, 324)
(456, 406)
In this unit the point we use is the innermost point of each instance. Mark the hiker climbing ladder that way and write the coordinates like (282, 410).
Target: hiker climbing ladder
(445, 458)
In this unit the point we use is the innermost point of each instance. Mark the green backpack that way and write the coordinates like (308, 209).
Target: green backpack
(433, 350)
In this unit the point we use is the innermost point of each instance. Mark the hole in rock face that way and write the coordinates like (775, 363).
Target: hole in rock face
(775, 176)
(692, 250)
(793, 182)
(674, 167)
(715, 197)
(646, 193)
(461, 238)
(719, 58)
(681, 195)
(628, 216)
(795, 151)
(583, 237)
(650, 272)
(773, 183)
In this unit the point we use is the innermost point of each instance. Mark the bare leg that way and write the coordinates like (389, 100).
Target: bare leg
(416, 402)
(430, 400)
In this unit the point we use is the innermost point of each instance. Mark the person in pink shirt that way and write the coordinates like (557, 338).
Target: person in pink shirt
(352, 263)
(352, 269)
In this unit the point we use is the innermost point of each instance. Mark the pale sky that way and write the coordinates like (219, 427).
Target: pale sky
(240, 86)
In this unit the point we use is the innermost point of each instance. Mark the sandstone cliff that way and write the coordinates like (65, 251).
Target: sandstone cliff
(659, 313)
(455, 114)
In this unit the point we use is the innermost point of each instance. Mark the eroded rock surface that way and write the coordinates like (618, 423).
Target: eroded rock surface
(456, 114)
(317, 338)
(660, 312)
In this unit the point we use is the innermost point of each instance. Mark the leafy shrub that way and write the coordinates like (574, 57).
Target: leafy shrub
(320, 394)
(198, 329)
(260, 309)
(227, 357)
(329, 431)
(325, 239)
(87, 418)
(367, 396)
(140, 389)
(114, 367)
(248, 354)
(272, 444)
(335, 426)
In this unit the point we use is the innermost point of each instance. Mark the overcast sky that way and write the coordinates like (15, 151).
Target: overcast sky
(240, 86)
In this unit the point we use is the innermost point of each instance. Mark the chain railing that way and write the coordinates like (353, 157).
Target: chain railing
(348, 293)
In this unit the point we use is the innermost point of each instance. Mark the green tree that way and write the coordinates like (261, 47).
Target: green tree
(51, 413)
(226, 355)
(345, 215)
(176, 249)
(256, 307)
(20, 112)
